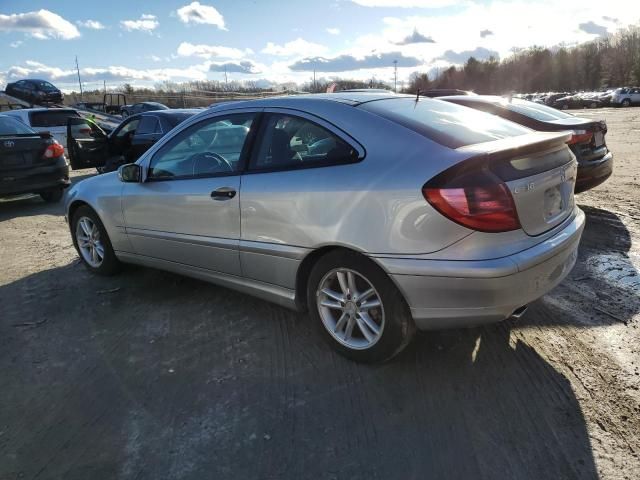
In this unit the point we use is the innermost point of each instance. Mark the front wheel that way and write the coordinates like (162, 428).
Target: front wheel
(92, 242)
(626, 102)
(357, 308)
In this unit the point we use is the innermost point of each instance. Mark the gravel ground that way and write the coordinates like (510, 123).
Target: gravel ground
(148, 375)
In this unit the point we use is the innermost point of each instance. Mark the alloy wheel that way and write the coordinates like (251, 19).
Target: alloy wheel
(350, 308)
(89, 243)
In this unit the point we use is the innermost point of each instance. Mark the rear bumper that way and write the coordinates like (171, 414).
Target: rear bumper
(34, 180)
(592, 174)
(450, 294)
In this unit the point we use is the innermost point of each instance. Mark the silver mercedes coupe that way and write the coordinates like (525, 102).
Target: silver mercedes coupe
(376, 213)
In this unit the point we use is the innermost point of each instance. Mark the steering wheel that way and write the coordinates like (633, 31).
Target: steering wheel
(221, 163)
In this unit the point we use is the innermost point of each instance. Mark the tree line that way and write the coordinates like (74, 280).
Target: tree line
(608, 62)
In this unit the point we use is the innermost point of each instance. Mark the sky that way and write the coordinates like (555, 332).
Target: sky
(145, 43)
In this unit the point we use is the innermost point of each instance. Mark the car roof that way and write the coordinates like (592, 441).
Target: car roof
(474, 98)
(304, 100)
(172, 111)
(44, 109)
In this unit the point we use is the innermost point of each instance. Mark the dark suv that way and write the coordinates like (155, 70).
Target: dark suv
(34, 91)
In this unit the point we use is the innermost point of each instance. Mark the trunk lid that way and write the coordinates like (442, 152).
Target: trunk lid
(21, 151)
(540, 172)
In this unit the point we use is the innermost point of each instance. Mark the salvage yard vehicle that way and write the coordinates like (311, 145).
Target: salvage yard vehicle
(34, 91)
(626, 97)
(377, 213)
(141, 107)
(587, 142)
(52, 120)
(107, 151)
(31, 162)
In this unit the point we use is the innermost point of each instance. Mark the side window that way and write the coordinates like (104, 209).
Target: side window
(148, 124)
(210, 147)
(129, 127)
(294, 142)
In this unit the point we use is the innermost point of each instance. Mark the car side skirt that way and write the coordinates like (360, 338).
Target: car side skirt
(272, 293)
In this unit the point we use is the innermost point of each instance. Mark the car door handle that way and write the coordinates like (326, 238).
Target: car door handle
(223, 193)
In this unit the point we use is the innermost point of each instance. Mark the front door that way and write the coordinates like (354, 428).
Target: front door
(188, 208)
(87, 144)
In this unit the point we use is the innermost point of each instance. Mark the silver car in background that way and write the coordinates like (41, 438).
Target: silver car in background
(377, 213)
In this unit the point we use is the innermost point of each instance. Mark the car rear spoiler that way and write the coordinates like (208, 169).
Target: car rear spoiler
(502, 156)
(513, 147)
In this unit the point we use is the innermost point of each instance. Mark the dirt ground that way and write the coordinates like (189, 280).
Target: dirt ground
(148, 375)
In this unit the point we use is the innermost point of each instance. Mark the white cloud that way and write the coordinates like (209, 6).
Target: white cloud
(146, 23)
(186, 49)
(42, 24)
(407, 3)
(110, 74)
(197, 13)
(16, 44)
(333, 31)
(297, 47)
(91, 24)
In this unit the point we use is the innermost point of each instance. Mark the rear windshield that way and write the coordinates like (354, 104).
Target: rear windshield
(445, 123)
(536, 111)
(11, 126)
(52, 118)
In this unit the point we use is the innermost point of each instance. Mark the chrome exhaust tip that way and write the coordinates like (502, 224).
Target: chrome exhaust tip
(519, 312)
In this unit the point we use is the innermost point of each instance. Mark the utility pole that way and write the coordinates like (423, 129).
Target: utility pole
(79, 81)
(314, 81)
(104, 85)
(395, 76)
(226, 80)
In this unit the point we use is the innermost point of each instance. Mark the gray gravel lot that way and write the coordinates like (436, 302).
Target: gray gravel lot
(148, 375)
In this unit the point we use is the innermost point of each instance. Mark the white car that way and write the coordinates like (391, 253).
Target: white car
(625, 97)
(52, 120)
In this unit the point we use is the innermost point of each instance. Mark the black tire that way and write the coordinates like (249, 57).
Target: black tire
(52, 196)
(125, 114)
(398, 328)
(110, 263)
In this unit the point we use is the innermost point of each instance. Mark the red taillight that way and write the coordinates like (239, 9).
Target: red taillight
(479, 201)
(54, 150)
(580, 136)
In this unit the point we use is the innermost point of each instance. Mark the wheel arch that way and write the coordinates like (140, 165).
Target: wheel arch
(312, 258)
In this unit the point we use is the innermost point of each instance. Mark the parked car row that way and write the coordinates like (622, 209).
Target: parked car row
(295, 200)
(616, 97)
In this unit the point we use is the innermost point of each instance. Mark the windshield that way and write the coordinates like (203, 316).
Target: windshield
(534, 110)
(11, 126)
(446, 123)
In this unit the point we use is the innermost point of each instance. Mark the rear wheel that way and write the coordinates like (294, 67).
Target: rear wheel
(52, 196)
(357, 308)
(626, 102)
(92, 242)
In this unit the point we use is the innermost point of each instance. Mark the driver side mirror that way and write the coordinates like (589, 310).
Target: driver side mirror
(130, 173)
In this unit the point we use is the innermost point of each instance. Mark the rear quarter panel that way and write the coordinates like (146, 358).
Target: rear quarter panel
(373, 206)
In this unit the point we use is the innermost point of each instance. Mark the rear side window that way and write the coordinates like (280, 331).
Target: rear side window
(290, 142)
(52, 118)
(11, 126)
(148, 125)
(445, 123)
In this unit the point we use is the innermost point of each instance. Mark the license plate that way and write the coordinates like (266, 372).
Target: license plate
(599, 139)
(11, 160)
(553, 204)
